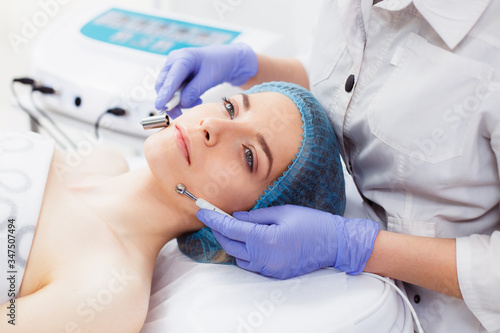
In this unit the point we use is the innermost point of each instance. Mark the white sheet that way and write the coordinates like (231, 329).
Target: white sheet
(24, 165)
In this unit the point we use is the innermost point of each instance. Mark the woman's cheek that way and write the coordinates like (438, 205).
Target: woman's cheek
(215, 182)
(211, 181)
(228, 189)
(239, 195)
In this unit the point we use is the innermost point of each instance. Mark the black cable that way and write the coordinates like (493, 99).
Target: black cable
(45, 90)
(25, 80)
(49, 91)
(26, 110)
(117, 111)
(114, 111)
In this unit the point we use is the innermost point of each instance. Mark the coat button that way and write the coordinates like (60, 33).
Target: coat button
(416, 299)
(349, 83)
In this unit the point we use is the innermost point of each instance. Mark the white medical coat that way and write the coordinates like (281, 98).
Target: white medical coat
(420, 132)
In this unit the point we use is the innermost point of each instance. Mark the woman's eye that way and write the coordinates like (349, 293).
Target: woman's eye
(229, 107)
(249, 158)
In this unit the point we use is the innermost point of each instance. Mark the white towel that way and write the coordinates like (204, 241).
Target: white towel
(24, 165)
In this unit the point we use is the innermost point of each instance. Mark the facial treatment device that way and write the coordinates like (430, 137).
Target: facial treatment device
(181, 189)
(100, 58)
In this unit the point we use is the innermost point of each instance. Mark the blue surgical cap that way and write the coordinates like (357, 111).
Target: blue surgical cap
(313, 179)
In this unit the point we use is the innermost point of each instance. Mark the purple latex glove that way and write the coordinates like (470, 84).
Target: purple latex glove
(287, 241)
(204, 68)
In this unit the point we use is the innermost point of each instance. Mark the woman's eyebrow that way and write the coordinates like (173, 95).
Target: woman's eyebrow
(266, 150)
(246, 101)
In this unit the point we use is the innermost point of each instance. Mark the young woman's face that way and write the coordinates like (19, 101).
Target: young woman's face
(228, 153)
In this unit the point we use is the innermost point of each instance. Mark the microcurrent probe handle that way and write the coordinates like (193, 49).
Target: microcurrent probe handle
(174, 101)
(207, 205)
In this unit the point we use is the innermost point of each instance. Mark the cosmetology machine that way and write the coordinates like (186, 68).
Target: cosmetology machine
(108, 58)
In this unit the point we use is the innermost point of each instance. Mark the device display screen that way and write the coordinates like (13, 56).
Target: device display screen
(152, 33)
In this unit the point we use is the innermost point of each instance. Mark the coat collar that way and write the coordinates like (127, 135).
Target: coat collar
(451, 19)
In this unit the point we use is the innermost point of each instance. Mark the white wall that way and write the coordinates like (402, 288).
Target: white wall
(292, 18)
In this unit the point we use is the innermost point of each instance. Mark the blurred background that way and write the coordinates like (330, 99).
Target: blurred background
(293, 19)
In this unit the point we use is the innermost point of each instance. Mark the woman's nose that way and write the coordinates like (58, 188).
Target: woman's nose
(214, 129)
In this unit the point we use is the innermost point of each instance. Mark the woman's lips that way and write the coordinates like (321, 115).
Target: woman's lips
(182, 141)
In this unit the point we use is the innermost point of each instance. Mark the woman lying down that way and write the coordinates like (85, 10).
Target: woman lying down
(100, 227)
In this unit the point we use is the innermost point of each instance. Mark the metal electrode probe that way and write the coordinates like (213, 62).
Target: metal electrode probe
(160, 121)
(181, 189)
(163, 120)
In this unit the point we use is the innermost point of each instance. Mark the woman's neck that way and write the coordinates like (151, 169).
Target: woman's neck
(141, 214)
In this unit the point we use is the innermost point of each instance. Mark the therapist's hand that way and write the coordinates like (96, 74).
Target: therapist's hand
(203, 68)
(287, 241)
